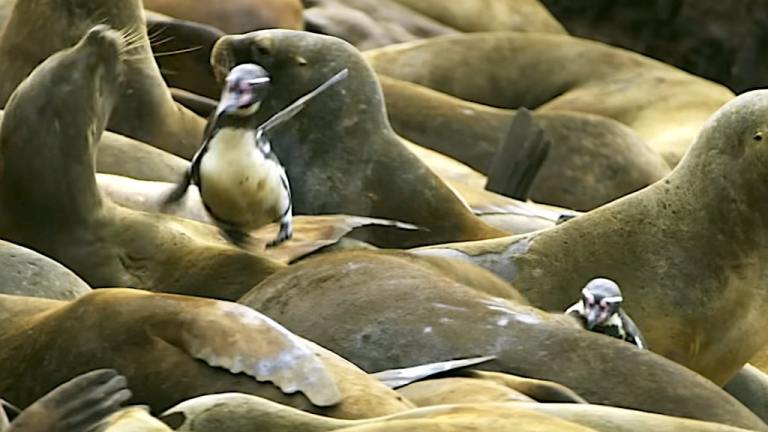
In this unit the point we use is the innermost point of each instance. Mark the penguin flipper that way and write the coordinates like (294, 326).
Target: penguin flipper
(632, 330)
(519, 158)
(79, 405)
(179, 190)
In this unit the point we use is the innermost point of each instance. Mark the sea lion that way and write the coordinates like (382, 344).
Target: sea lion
(145, 110)
(582, 144)
(245, 413)
(664, 105)
(433, 318)
(454, 390)
(341, 154)
(369, 24)
(170, 348)
(27, 273)
(133, 419)
(489, 15)
(79, 405)
(750, 387)
(658, 240)
(235, 16)
(182, 50)
(49, 200)
(240, 413)
(508, 214)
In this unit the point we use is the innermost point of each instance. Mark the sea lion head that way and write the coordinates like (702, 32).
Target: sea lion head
(79, 84)
(732, 148)
(300, 61)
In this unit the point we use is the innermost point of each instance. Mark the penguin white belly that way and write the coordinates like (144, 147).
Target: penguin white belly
(239, 184)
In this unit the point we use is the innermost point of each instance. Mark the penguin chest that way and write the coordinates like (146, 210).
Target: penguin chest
(239, 184)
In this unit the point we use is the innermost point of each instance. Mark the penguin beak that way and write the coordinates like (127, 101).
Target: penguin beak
(243, 95)
(593, 317)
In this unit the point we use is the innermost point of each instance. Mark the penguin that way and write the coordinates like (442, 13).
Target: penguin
(599, 310)
(242, 183)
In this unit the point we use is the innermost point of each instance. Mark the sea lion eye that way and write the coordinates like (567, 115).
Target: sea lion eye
(758, 136)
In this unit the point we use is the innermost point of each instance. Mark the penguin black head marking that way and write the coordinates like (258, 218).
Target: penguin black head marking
(244, 88)
(601, 299)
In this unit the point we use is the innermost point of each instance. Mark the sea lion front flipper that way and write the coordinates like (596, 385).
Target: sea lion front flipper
(79, 405)
(254, 345)
(395, 378)
(519, 158)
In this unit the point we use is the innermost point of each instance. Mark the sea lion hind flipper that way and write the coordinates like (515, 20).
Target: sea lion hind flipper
(79, 405)
(519, 158)
(256, 346)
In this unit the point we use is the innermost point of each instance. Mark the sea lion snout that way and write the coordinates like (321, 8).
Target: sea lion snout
(104, 36)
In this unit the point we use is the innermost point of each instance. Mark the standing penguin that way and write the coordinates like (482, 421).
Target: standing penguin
(600, 311)
(241, 181)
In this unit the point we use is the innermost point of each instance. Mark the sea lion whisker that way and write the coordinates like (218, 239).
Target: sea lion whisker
(156, 32)
(162, 41)
(179, 51)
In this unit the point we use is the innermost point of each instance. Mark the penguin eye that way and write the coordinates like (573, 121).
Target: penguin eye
(758, 136)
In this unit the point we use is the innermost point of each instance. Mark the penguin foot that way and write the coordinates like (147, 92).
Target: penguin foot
(79, 405)
(286, 233)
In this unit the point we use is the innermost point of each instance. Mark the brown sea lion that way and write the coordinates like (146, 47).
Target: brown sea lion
(455, 390)
(750, 387)
(49, 200)
(385, 312)
(27, 273)
(511, 215)
(240, 413)
(369, 24)
(244, 413)
(144, 110)
(489, 15)
(689, 252)
(235, 16)
(583, 145)
(133, 419)
(171, 348)
(341, 155)
(664, 105)
(182, 50)
(79, 405)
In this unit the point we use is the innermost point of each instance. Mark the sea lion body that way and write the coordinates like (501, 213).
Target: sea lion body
(50, 202)
(582, 144)
(702, 227)
(160, 341)
(341, 154)
(238, 16)
(433, 317)
(664, 105)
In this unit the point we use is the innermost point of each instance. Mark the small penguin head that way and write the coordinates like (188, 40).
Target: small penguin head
(244, 88)
(601, 299)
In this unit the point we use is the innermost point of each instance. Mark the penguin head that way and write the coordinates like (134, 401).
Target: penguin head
(244, 88)
(601, 299)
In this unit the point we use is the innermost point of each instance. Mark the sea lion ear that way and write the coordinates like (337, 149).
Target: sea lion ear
(758, 136)
(239, 339)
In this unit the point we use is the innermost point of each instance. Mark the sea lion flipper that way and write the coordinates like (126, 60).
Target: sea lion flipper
(78, 405)
(256, 346)
(395, 378)
(519, 158)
